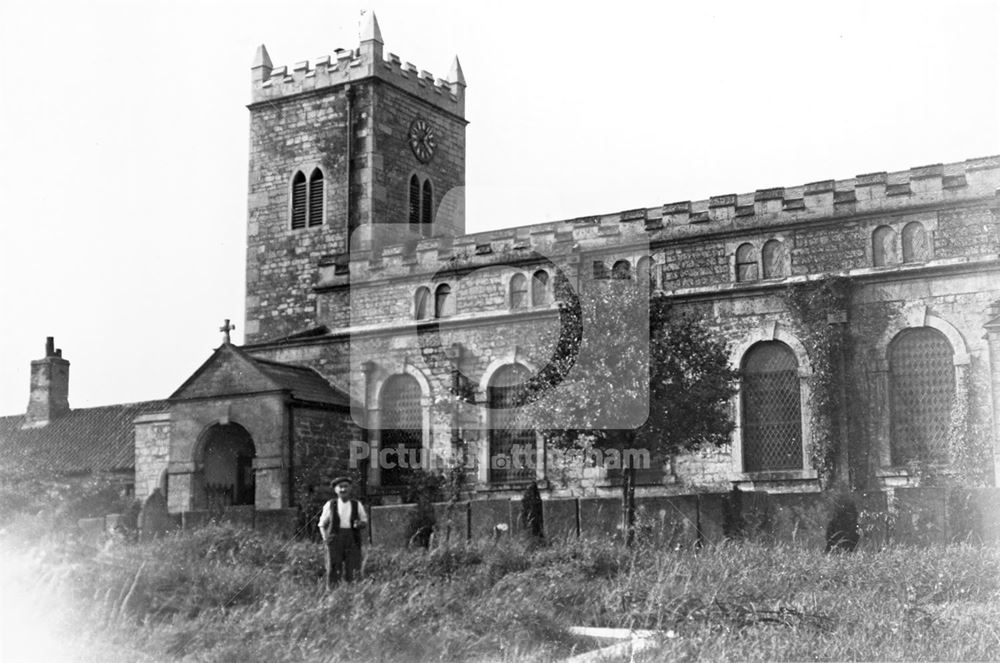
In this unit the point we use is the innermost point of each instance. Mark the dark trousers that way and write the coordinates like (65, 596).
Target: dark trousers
(343, 557)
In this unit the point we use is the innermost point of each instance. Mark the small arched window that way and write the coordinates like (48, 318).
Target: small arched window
(644, 273)
(884, 247)
(414, 201)
(772, 408)
(298, 200)
(518, 292)
(541, 295)
(422, 303)
(916, 248)
(444, 301)
(621, 270)
(921, 391)
(316, 198)
(746, 263)
(773, 257)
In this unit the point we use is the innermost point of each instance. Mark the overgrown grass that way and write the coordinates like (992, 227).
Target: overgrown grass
(221, 594)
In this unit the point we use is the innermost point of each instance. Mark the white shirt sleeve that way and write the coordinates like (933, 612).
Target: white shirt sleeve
(324, 520)
(362, 516)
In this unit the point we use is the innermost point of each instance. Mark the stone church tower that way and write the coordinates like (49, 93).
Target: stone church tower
(351, 151)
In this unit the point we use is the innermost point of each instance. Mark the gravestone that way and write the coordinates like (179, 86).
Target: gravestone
(154, 520)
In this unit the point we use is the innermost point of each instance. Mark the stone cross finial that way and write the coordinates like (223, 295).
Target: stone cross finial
(225, 329)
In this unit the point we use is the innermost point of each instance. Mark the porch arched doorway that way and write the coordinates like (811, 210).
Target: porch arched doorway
(227, 466)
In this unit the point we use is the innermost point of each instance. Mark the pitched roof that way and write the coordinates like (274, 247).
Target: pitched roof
(96, 439)
(231, 371)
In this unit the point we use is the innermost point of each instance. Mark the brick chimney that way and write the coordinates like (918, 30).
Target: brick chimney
(49, 387)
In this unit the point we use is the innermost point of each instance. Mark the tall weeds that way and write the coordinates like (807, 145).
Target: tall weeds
(223, 594)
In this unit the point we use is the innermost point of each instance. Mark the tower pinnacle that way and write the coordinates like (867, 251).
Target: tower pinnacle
(369, 28)
(456, 76)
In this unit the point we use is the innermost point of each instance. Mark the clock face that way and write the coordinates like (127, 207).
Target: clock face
(422, 140)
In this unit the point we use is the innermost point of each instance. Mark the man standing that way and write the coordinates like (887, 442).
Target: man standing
(340, 525)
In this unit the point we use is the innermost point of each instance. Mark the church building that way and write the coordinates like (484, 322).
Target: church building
(367, 303)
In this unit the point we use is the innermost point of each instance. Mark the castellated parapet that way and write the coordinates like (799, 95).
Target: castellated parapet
(347, 66)
(881, 194)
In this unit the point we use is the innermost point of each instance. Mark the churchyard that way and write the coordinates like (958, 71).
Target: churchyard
(224, 592)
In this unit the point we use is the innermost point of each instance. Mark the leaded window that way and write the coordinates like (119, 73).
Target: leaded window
(915, 245)
(402, 428)
(512, 448)
(921, 388)
(772, 412)
(884, 246)
(773, 257)
(746, 263)
(518, 291)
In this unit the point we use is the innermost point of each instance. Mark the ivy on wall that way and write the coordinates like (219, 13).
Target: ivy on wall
(819, 310)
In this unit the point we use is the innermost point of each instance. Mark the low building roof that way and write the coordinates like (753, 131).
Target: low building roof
(88, 440)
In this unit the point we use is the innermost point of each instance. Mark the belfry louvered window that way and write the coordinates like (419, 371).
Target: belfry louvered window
(512, 449)
(316, 198)
(402, 428)
(921, 388)
(772, 411)
(426, 208)
(414, 202)
(299, 200)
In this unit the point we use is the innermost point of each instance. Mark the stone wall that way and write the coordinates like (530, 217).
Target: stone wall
(910, 517)
(152, 453)
(320, 452)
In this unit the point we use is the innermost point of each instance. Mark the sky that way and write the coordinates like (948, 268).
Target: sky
(124, 136)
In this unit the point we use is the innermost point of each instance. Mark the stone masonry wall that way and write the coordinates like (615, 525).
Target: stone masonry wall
(152, 452)
(320, 446)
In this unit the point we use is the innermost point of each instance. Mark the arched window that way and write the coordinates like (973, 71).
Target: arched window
(298, 200)
(414, 201)
(422, 303)
(746, 263)
(621, 270)
(518, 292)
(773, 257)
(644, 273)
(426, 209)
(512, 449)
(402, 427)
(916, 248)
(772, 409)
(884, 246)
(541, 295)
(444, 301)
(316, 198)
(921, 390)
